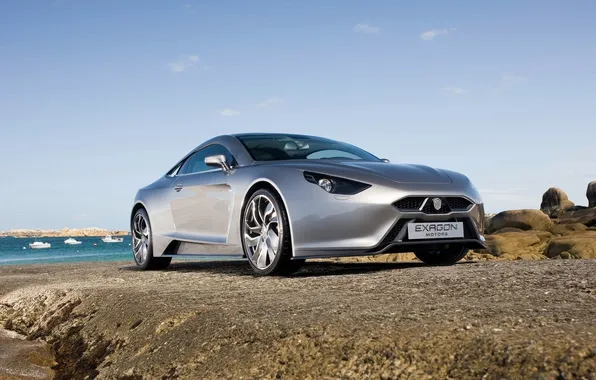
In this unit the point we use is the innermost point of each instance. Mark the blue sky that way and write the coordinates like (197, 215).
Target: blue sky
(99, 98)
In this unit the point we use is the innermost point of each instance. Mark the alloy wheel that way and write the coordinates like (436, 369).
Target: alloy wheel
(141, 238)
(261, 231)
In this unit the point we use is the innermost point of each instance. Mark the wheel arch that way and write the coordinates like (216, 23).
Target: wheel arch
(138, 205)
(270, 186)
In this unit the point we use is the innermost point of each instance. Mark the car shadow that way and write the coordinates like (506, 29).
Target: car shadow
(310, 268)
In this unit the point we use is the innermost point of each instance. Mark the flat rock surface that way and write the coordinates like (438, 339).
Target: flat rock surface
(23, 359)
(519, 319)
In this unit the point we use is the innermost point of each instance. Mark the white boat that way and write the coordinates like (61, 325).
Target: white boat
(111, 239)
(71, 241)
(39, 245)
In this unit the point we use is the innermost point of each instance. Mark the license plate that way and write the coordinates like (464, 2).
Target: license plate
(436, 230)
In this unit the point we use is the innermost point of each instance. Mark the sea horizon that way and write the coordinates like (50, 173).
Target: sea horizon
(16, 250)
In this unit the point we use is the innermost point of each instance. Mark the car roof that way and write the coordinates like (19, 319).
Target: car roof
(276, 134)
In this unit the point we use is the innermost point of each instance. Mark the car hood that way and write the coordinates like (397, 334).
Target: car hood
(403, 173)
(399, 173)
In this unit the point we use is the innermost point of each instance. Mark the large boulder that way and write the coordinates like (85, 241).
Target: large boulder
(591, 194)
(581, 245)
(585, 216)
(554, 201)
(526, 245)
(567, 228)
(521, 219)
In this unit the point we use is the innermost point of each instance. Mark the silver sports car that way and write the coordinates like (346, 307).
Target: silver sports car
(279, 199)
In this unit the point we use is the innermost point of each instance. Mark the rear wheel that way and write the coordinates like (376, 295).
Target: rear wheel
(142, 243)
(446, 256)
(266, 235)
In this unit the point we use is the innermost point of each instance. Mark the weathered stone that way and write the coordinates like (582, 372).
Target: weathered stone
(522, 219)
(554, 201)
(577, 246)
(518, 245)
(585, 216)
(508, 229)
(568, 228)
(591, 194)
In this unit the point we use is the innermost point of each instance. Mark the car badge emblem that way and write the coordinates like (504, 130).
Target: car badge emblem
(437, 203)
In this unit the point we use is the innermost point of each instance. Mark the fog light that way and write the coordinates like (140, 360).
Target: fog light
(326, 184)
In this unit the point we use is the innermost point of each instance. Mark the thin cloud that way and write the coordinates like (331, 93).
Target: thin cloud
(510, 81)
(430, 35)
(270, 102)
(366, 29)
(229, 112)
(184, 63)
(453, 90)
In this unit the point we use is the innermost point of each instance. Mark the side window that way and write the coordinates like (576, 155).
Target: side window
(174, 171)
(196, 162)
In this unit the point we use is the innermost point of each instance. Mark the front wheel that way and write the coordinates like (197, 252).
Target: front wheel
(447, 256)
(266, 235)
(142, 243)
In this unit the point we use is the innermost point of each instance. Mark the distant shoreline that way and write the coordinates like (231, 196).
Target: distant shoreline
(65, 232)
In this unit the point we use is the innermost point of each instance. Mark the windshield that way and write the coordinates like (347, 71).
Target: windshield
(274, 147)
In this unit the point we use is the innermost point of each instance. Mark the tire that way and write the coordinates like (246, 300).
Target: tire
(448, 256)
(142, 241)
(258, 231)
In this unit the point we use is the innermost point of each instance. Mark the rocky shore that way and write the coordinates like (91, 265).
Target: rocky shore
(65, 232)
(490, 320)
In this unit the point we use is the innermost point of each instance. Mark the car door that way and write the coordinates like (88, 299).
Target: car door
(202, 202)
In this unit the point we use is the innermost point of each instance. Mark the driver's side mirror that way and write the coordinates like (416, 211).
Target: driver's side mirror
(218, 161)
(384, 160)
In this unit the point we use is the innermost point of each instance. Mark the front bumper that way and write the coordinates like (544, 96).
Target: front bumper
(397, 240)
(373, 227)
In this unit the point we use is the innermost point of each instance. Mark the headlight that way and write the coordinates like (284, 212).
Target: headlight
(326, 184)
(335, 185)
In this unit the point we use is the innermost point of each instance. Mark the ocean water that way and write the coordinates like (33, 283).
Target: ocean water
(17, 251)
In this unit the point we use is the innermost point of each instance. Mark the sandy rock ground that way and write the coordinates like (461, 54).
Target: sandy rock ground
(489, 320)
(24, 359)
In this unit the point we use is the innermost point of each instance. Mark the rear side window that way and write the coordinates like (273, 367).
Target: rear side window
(196, 162)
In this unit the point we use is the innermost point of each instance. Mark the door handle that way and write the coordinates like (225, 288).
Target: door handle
(178, 186)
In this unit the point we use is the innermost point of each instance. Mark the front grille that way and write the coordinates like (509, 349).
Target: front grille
(394, 232)
(410, 203)
(430, 206)
(447, 204)
(468, 228)
(469, 232)
(458, 203)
